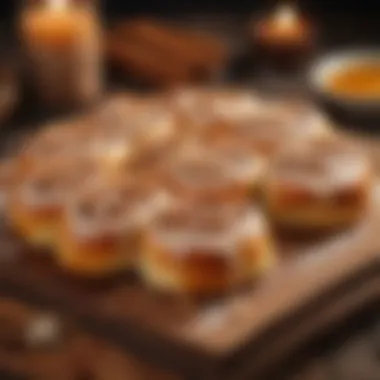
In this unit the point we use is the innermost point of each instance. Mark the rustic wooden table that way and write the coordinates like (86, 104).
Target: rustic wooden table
(65, 352)
(352, 352)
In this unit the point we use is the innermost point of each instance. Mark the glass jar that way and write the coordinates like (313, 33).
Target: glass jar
(62, 43)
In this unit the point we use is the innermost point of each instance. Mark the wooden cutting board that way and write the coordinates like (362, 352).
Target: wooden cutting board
(315, 284)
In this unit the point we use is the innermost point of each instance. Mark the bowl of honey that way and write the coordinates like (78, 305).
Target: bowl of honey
(347, 85)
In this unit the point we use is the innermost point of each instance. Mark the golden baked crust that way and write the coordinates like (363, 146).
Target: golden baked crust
(225, 173)
(100, 231)
(36, 204)
(325, 184)
(208, 248)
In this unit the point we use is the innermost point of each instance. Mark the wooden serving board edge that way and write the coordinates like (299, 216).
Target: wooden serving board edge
(144, 344)
(255, 358)
(279, 297)
(287, 289)
(319, 317)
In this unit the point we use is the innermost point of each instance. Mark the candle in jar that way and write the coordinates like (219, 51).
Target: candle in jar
(285, 35)
(63, 44)
(284, 26)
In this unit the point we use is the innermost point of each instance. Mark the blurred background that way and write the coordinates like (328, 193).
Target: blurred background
(113, 8)
(340, 6)
(344, 22)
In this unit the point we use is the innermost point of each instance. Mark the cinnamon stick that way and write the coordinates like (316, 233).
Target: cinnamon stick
(204, 54)
(143, 63)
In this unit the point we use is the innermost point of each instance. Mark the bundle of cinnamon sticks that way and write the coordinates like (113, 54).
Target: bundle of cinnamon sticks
(163, 55)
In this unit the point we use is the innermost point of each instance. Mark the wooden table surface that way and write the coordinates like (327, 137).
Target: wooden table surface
(353, 352)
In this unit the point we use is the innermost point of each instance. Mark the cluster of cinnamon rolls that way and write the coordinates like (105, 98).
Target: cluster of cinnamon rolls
(182, 187)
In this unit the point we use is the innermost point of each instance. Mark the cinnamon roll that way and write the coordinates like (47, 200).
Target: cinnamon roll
(324, 184)
(101, 229)
(274, 126)
(114, 110)
(60, 140)
(36, 204)
(135, 126)
(206, 248)
(123, 109)
(226, 174)
(201, 110)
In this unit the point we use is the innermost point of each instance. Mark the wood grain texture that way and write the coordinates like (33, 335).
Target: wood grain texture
(243, 335)
(77, 356)
(315, 284)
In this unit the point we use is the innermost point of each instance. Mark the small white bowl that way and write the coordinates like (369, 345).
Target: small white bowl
(324, 69)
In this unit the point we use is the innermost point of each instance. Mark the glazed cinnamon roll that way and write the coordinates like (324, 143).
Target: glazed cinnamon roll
(226, 174)
(242, 164)
(273, 127)
(101, 229)
(122, 110)
(113, 111)
(201, 110)
(36, 204)
(206, 248)
(133, 127)
(320, 185)
(112, 147)
(61, 140)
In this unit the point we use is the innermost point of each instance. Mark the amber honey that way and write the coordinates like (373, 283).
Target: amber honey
(358, 81)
